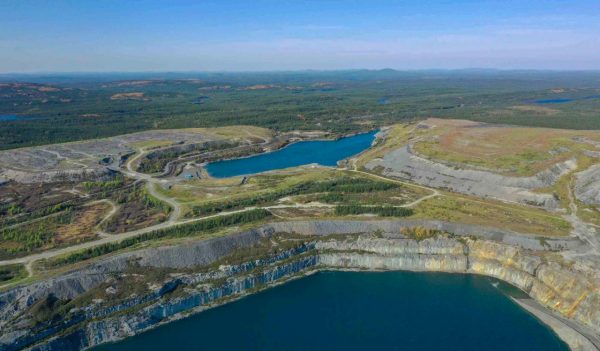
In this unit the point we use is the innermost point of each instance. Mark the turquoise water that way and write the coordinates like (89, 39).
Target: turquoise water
(323, 152)
(9, 118)
(360, 311)
(6, 118)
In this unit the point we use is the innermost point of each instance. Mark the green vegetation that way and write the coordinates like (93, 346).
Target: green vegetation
(116, 183)
(182, 230)
(137, 209)
(28, 237)
(385, 211)
(151, 202)
(10, 209)
(12, 272)
(335, 186)
(420, 233)
(517, 151)
(155, 162)
(85, 107)
(471, 210)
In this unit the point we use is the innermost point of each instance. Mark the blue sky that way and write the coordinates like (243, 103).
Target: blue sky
(235, 35)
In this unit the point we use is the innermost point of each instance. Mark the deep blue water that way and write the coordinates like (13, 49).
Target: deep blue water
(323, 152)
(360, 311)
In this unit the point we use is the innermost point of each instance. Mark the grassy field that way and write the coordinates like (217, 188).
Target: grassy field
(514, 151)
(464, 209)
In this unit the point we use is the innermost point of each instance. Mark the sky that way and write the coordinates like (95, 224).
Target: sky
(265, 35)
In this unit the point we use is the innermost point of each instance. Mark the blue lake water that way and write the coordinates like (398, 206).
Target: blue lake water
(360, 311)
(323, 152)
(6, 118)
(553, 101)
(565, 100)
(9, 118)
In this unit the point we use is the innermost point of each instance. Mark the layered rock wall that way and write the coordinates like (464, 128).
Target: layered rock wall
(370, 245)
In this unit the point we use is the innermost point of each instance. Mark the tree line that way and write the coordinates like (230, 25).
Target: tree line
(385, 211)
(183, 230)
(339, 185)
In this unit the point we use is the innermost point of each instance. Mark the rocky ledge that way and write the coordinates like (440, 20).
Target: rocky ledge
(132, 292)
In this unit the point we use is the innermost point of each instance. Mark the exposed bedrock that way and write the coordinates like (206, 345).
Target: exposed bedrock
(286, 250)
(401, 163)
(81, 160)
(587, 185)
(74, 175)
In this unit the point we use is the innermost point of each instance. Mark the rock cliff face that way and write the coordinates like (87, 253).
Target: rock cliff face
(402, 163)
(188, 278)
(587, 185)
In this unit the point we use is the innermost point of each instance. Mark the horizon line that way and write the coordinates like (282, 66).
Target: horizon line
(309, 70)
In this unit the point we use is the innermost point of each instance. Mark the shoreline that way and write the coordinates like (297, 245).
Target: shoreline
(574, 335)
(205, 164)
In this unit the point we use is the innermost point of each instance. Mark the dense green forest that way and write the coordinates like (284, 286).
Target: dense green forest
(58, 108)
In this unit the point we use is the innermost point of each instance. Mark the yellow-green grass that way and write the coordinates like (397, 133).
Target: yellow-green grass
(401, 195)
(397, 136)
(150, 144)
(464, 209)
(11, 274)
(244, 131)
(588, 213)
(514, 151)
(199, 191)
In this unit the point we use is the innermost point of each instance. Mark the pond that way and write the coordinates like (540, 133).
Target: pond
(323, 152)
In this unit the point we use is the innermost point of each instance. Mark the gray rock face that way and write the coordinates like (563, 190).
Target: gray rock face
(394, 227)
(200, 253)
(401, 163)
(587, 185)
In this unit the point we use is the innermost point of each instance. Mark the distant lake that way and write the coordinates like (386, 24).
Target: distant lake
(9, 118)
(361, 311)
(564, 100)
(323, 152)
(553, 101)
(5, 118)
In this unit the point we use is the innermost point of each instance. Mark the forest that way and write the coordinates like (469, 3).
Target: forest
(59, 108)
